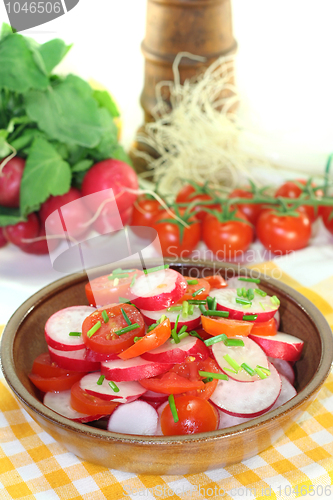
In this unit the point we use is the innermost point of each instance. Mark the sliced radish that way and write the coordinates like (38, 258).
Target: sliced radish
(62, 323)
(138, 418)
(128, 391)
(262, 307)
(250, 353)
(177, 353)
(73, 360)
(247, 400)
(99, 357)
(281, 345)
(193, 321)
(284, 368)
(158, 290)
(277, 319)
(287, 393)
(154, 397)
(229, 420)
(120, 370)
(235, 282)
(159, 410)
(60, 403)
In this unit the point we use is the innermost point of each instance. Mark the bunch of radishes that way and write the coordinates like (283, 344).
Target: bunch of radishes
(77, 212)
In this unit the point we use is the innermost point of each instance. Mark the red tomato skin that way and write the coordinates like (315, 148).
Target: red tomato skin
(100, 291)
(283, 234)
(169, 237)
(55, 384)
(291, 190)
(10, 181)
(202, 283)
(250, 211)
(3, 239)
(87, 403)
(325, 213)
(108, 222)
(216, 281)
(195, 415)
(45, 367)
(227, 239)
(145, 212)
(186, 195)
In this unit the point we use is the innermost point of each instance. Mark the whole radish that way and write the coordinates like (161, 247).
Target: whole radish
(22, 230)
(107, 222)
(10, 182)
(40, 245)
(108, 174)
(74, 214)
(3, 240)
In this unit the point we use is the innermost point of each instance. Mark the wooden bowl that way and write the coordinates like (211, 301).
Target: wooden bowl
(23, 339)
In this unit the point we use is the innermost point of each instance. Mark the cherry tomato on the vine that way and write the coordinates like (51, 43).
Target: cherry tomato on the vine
(145, 211)
(250, 210)
(292, 190)
(188, 194)
(326, 213)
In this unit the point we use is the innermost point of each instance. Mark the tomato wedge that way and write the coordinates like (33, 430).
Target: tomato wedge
(106, 290)
(231, 327)
(191, 289)
(87, 403)
(190, 370)
(264, 328)
(150, 341)
(45, 367)
(171, 383)
(194, 414)
(105, 340)
(216, 281)
(55, 384)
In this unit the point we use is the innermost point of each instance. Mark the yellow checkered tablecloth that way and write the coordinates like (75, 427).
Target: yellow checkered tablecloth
(34, 466)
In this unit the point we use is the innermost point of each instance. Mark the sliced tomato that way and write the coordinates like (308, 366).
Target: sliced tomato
(264, 328)
(190, 370)
(216, 281)
(105, 340)
(107, 289)
(55, 384)
(194, 415)
(191, 289)
(87, 403)
(150, 341)
(171, 383)
(231, 327)
(45, 367)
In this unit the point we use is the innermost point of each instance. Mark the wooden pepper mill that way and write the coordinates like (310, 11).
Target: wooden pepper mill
(201, 27)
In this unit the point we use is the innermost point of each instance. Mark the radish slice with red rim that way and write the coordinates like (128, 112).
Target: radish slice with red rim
(228, 300)
(281, 345)
(154, 397)
(250, 354)
(73, 360)
(235, 282)
(138, 418)
(98, 357)
(60, 403)
(177, 353)
(128, 391)
(287, 393)
(192, 321)
(284, 368)
(121, 370)
(158, 290)
(247, 400)
(59, 326)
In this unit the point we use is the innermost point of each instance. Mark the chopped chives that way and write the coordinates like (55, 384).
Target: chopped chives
(185, 309)
(250, 294)
(243, 301)
(209, 301)
(267, 371)
(182, 330)
(105, 316)
(229, 370)
(202, 308)
(232, 362)
(124, 300)
(100, 380)
(119, 270)
(181, 334)
(133, 280)
(234, 342)
(94, 329)
(173, 408)
(157, 268)
(136, 339)
(151, 327)
(126, 318)
(113, 386)
(192, 282)
(250, 280)
(239, 292)
(275, 301)
(174, 331)
(193, 333)
(214, 304)
(261, 374)
(260, 303)
(260, 292)
(162, 318)
(116, 282)
(174, 308)
(250, 317)
(244, 292)
(217, 338)
(190, 309)
(248, 369)
(211, 312)
(127, 329)
(74, 334)
(197, 302)
(198, 292)
(219, 376)
(207, 379)
(118, 276)
(246, 306)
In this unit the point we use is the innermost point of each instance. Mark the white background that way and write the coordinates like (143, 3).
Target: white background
(284, 66)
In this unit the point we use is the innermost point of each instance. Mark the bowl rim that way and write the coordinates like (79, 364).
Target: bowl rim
(30, 401)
